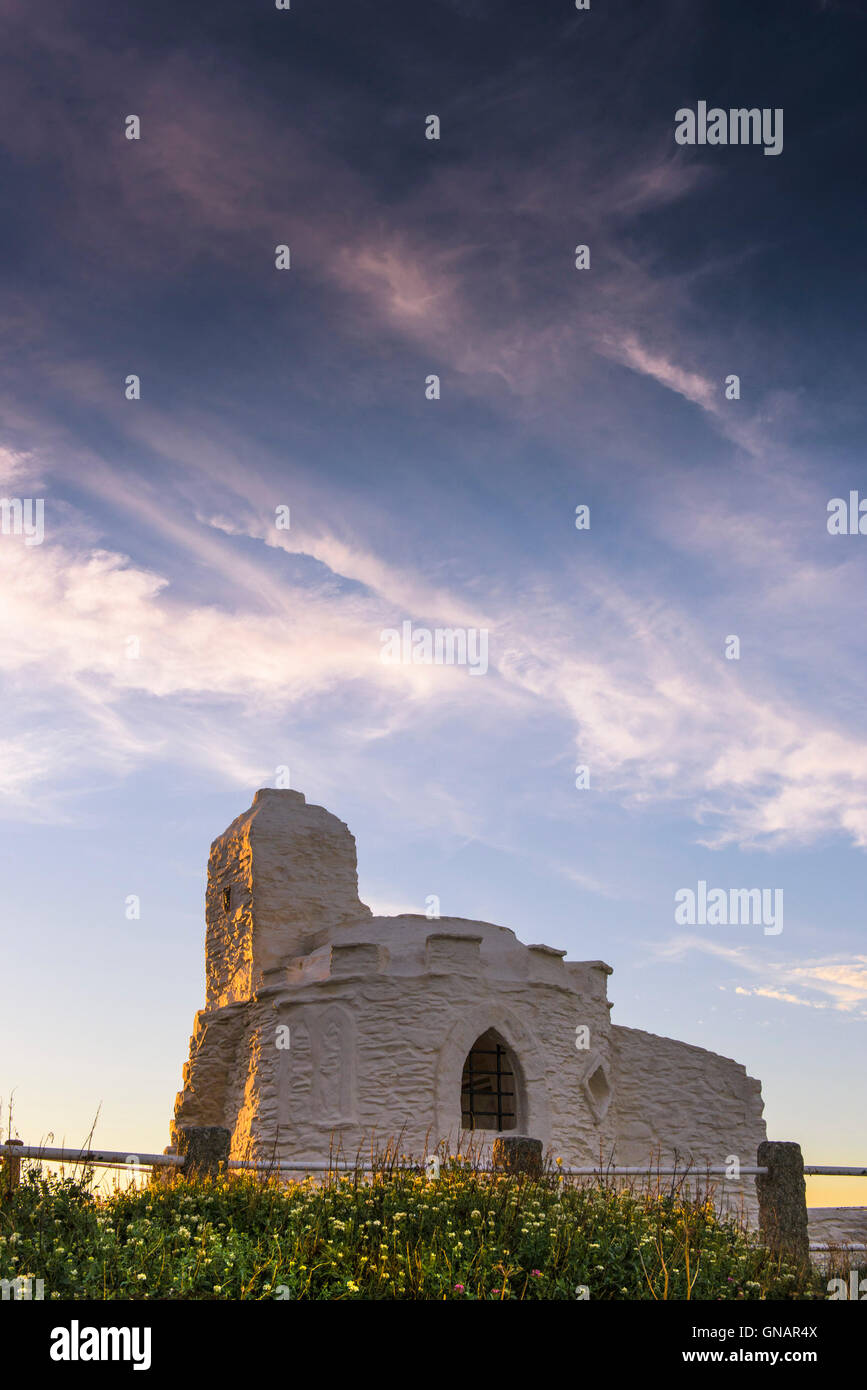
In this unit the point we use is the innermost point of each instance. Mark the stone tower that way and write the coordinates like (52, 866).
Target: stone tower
(281, 880)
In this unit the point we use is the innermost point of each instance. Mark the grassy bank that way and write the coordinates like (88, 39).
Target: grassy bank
(394, 1236)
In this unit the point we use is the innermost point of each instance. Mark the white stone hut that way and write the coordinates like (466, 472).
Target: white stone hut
(326, 1028)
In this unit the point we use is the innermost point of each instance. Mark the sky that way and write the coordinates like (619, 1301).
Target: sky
(167, 647)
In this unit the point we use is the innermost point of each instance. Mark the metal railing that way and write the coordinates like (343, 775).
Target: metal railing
(92, 1158)
(116, 1158)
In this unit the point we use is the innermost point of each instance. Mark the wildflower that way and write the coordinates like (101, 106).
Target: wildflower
(536, 1273)
(459, 1288)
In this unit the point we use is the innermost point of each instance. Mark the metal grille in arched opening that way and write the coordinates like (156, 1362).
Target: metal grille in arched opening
(488, 1099)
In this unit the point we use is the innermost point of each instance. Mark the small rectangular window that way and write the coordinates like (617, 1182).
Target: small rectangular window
(227, 899)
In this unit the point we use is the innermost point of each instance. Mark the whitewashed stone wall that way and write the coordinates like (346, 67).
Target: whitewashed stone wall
(678, 1100)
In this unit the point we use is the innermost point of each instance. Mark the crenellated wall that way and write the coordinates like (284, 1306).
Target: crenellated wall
(378, 1033)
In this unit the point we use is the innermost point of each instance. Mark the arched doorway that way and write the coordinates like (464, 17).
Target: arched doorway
(489, 1086)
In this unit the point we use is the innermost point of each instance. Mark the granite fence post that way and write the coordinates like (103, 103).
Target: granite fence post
(782, 1195)
(10, 1169)
(517, 1154)
(205, 1149)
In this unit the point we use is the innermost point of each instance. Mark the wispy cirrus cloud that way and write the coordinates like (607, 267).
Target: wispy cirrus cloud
(689, 384)
(456, 273)
(747, 763)
(837, 982)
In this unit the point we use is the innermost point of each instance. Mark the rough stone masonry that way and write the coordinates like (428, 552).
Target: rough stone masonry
(328, 1029)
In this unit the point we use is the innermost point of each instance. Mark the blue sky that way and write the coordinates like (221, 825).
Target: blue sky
(259, 647)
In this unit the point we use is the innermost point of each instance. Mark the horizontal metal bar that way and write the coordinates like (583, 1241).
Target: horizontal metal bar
(92, 1157)
(116, 1157)
(814, 1170)
(839, 1245)
(110, 1157)
(301, 1167)
(657, 1172)
(295, 1167)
